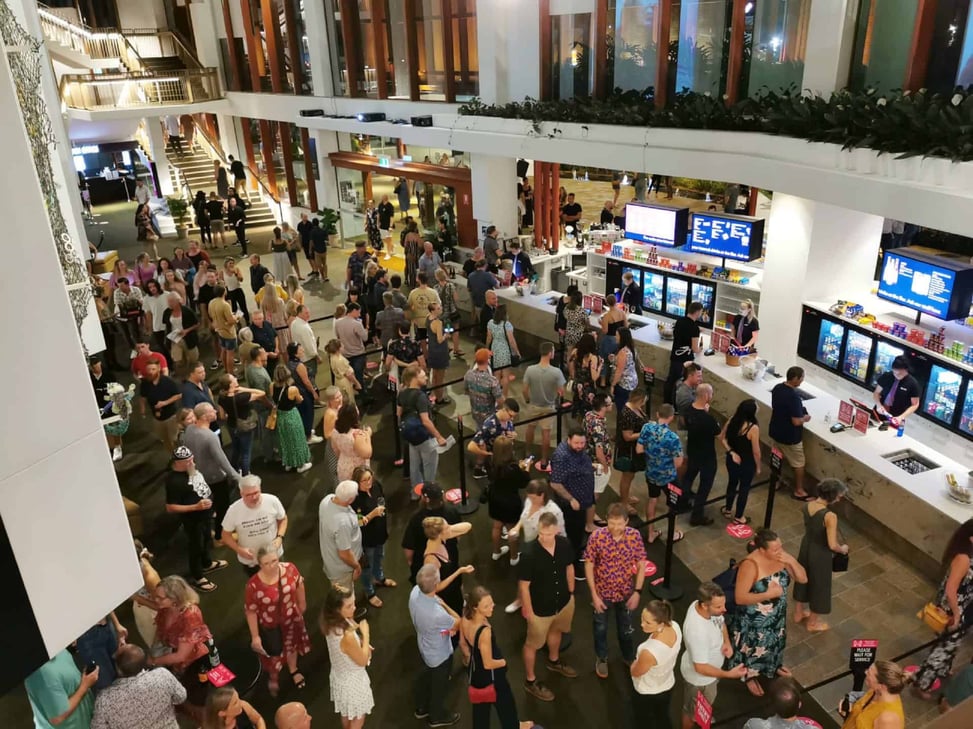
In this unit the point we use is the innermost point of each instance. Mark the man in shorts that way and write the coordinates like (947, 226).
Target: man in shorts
(546, 586)
(707, 645)
(418, 305)
(317, 253)
(543, 390)
(224, 325)
(663, 457)
(787, 420)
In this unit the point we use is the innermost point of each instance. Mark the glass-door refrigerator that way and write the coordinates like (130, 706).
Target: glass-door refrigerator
(705, 294)
(942, 395)
(858, 352)
(884, 354)
(677, 293)
(828, 350)
(966, 418)
(653, 291)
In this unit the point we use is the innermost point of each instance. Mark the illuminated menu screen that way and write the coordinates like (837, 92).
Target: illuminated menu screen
(727, 236)
(924, 284)
(656, 225)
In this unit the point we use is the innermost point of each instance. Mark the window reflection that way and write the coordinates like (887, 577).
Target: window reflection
(776, 32)
(883, 40)
(702, 44)
(572, 67)
(633, 43)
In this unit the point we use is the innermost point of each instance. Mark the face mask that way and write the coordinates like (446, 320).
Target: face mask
(744, 311)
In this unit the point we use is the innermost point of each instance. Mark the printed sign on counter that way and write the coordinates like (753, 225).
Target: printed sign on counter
(861, 421)
(720, 340)
(846, 413)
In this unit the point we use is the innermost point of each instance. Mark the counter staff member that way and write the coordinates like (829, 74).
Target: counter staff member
(686, 344)
(746, 328)
(522, 267)
(630, 296)
(897, 392)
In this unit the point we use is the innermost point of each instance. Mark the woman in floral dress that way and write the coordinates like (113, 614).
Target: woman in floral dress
(275, 598)
(584, 370)
(371, 227)
(350, 649)
(758, 628)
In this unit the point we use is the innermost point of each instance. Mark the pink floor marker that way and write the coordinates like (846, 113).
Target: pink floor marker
(739, 531)
(453, 496)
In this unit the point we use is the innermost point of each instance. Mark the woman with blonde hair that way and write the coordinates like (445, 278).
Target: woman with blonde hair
(271, 299)
(144, 606)
(184, 418)
(341, 370)
(351, 651)
(173, 282)
(226, 710)
(294, 290)
(881, 705)
(333, 400)
(438, 531)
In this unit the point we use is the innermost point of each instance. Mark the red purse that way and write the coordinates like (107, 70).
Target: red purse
(487, 694)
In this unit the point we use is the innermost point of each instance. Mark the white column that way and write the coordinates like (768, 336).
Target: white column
(830, 43)
(327, 187)
(494, 183)
(56, 476)
(157, 150)
(316, 23)
(517, 51)
(815, 252)
(208, 28)
(491, 40)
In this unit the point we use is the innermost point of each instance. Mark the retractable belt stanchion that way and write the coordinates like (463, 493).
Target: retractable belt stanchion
(393, 388)
(776, 460)
(665, 590)
(466, 505)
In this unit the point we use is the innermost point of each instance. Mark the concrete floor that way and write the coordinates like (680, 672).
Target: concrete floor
(876, 599)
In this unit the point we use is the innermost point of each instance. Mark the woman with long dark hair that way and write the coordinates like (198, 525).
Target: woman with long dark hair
(351, 652)
(507, 478)
(628, 462)
(350, 441)
(584, 369)
(286, 397)
(295, 363)
(653, 672)
(226, 710)
(576, 323)
(741, 439)
(625, 376)
(821, 542)
(955, 596)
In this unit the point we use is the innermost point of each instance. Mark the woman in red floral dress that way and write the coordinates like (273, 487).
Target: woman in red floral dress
(275, 597)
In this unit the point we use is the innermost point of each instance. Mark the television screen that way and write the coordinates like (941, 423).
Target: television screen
(926, 283)
(727, 236)
(656, 224)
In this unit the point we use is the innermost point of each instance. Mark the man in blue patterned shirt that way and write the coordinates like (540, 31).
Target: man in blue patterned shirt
(663, 456)
(573, 481)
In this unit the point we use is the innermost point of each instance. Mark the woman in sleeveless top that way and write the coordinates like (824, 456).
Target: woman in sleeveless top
(302, 380)
(955, 596)
(882, 701)
(333, 400)
(350, 441)
(437, 354)
(291, 440)
(279, 265)
(350, 652)
(438, 531)
(741, 438)
(144, 606)
(487, 665)
(818, 548)
(612, 320)
(232, 280)
(653, 673)
(758, 629)
(500, 339)
(412, 246)
(624, 377)
(226, 710)
(584, 369)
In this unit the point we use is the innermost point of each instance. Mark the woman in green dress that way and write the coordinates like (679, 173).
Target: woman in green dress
(758, 628)
(290, 428)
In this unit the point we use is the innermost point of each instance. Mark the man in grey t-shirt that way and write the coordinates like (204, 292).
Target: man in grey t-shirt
(491, 248)
(543, 389)
(340, 536)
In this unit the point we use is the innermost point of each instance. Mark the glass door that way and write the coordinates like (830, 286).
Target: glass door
(942, 394)
(829, 344)
(858, 350)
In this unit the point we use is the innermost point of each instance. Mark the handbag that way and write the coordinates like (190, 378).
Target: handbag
(839, 562)
(272, 638)
(271, 423)
(934, 616)
(244, 425)
(485, 694)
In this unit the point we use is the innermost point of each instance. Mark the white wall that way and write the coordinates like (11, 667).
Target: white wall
(494, 182)
(141, 13)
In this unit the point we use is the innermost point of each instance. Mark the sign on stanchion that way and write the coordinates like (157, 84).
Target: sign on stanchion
(861, 657)
(393, 388)
(776, 463)
(703, 712)
(466, 505)
(662, 588)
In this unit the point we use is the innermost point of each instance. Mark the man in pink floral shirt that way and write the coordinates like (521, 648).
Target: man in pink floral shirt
(615, 569)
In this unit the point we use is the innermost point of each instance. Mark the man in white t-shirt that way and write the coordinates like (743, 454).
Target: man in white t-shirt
(707, 645)
(254, 521)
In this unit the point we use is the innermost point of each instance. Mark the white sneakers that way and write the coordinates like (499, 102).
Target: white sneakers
(314, 439)
(515, 561)
(513, 607)
(116, 454)
(497, 555)
(305, 467)
(387, 257)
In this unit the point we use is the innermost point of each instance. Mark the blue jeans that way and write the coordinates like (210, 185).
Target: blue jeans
(312, 372)
(623, 623)
(241, 444)
(358, 366)
(373, 572)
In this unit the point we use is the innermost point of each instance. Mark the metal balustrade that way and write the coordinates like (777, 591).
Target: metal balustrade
(126, 90)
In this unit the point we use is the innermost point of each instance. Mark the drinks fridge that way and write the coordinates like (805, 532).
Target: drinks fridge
(705, 294)
(942, 394)
(884, 354)
(653, 288)
(858, 349)
(966, 421)
(828, 351)
(677, 291)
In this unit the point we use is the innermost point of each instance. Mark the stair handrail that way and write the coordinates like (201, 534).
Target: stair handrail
(181, 50)
(217, 152)
(90, 41)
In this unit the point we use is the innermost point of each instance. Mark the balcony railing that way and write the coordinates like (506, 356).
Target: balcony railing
(125, 90)
(151, 42)
(96, 44)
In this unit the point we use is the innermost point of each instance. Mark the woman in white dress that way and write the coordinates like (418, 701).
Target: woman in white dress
(350, 652)
(653, 673)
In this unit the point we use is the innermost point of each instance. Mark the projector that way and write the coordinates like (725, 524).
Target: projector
(421, 121)
(312, 112)
(374, 116)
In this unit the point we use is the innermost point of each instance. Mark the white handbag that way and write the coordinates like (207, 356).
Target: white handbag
(603, 475)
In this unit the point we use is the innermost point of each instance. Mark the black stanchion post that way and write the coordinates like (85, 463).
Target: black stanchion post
(466, 505)
(666, 590)
(395, 423)
(776, 460)
(560, 424)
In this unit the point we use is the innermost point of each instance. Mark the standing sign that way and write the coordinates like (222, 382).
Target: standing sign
(862, 655)
(776, 461)
(674, 493)
(846, 413)
(861, 421)
(703, 715)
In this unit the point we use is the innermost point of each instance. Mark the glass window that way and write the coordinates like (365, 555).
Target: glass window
(951, 58)
(336, 47)
(883, 40)
(398, 50)
(703, 43)
(778, 39)
(466, 61)
(572, 67)
(296, 46)
(633, 43)
(429, 32)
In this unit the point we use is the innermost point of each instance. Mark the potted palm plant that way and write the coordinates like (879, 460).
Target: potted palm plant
(329, 218)
(179, 210)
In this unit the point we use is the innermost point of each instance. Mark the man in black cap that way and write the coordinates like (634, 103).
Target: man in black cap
(189, 496)
(414, 537)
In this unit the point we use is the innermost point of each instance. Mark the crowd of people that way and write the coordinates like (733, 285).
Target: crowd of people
(547, 520)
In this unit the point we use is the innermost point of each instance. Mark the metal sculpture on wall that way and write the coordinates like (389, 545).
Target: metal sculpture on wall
(24, 58)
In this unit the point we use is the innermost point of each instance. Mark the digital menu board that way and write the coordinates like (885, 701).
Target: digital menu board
(658, 225)
(926, 283)
(728, 236)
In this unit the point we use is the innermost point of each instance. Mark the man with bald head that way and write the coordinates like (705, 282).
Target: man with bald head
(138, 697)
(702, 430)
(292, 716)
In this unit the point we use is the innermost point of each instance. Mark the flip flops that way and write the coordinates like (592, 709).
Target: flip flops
(204, 585)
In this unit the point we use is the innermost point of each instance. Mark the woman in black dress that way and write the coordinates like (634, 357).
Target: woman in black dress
(818, 548)
(629, 420)
(438, 531)
(507, 479)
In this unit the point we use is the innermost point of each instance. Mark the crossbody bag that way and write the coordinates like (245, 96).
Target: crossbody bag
(486, 694)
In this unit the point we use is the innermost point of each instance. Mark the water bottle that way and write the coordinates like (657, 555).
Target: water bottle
(901, 431)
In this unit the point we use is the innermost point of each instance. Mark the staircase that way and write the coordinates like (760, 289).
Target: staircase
(196, 168)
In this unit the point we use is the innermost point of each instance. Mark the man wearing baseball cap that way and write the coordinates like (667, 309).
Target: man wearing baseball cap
(189, 496)
(414, 537)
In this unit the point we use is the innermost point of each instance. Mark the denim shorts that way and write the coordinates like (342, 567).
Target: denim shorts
(228, 344)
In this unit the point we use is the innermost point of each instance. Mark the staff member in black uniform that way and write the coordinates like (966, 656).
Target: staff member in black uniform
(686, 344)
(897, 392)
(746, 328)
(522, 266)
(630, 296)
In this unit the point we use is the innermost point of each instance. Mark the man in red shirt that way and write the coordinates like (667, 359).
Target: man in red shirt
(614, 555)
(144, 356)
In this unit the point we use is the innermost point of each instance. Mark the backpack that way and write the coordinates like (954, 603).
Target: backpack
(727, 579)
